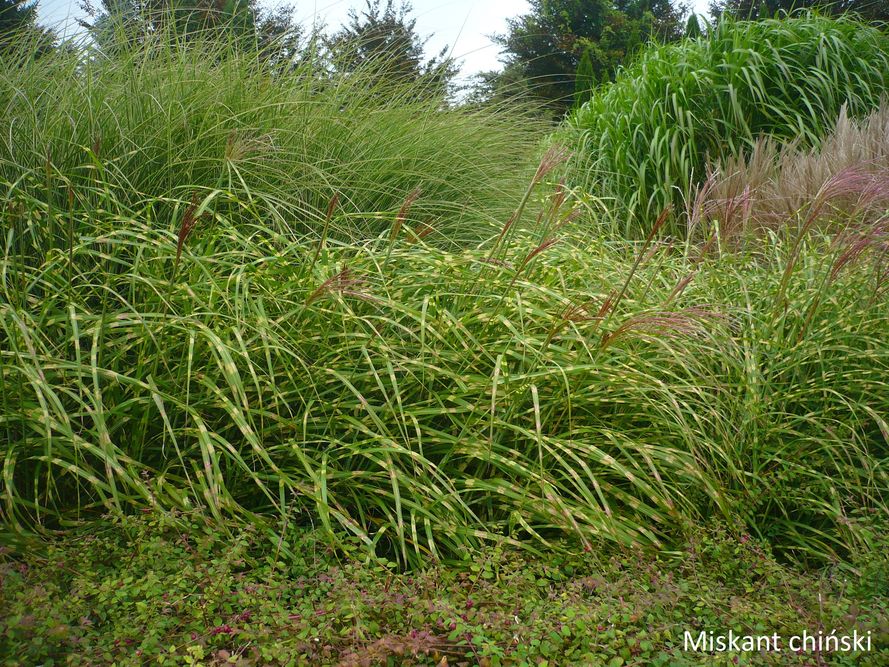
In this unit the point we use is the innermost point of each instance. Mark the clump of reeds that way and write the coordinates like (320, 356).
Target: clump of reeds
(157, 119)
(571, 393)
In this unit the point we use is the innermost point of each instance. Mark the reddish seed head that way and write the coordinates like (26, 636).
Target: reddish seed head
(403, 211)
(553, 157)
(680, 287)
(667, 324)
(422, 231)
(412, 196)
(606, 306)
(576, 312)
(188, 223)
(344, 282)
(331, 206)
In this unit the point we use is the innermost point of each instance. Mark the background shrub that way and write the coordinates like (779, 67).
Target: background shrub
(646, 139)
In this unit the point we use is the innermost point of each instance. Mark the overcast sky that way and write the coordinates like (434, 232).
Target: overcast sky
(461, 25)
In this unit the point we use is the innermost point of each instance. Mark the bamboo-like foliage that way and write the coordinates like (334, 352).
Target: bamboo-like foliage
(646, 139)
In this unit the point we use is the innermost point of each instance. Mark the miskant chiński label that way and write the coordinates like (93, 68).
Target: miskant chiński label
(818, 642)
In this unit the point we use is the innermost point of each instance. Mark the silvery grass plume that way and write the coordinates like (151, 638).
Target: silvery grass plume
(777, 185)
(853, 183)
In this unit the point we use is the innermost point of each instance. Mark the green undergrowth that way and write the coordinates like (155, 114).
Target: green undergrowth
(178, 591)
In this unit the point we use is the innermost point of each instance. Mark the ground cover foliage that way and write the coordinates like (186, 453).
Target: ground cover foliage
(293, 313)
(203, 598)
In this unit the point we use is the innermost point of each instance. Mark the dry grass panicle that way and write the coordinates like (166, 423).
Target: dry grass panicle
(846, 177)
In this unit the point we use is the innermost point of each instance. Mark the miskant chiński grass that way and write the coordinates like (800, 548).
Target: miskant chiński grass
(424, 400)
(233, 297)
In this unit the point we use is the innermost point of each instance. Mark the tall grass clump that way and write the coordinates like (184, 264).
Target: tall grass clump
(248, 297)
(421, 401)
(160, 119)
(646, 139)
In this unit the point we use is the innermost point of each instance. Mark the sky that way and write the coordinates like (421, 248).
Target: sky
(464, 26)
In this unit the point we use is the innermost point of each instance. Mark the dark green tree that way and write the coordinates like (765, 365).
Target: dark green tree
(585, 79)
(876, 11)
(280, 39)
(495, 87)
(542, 47)
(18, 26)
(181, 18)
(545, 46)
(382, 41)
(16, 16)
(274, 33)
(693, 27)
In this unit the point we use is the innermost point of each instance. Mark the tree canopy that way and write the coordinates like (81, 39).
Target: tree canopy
(383, 38)
(869, 10)
(545, 47)
(18, 25)
(380, 40)
(275, 33)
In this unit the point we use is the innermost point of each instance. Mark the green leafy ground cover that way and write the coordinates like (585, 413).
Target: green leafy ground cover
(158, 590)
